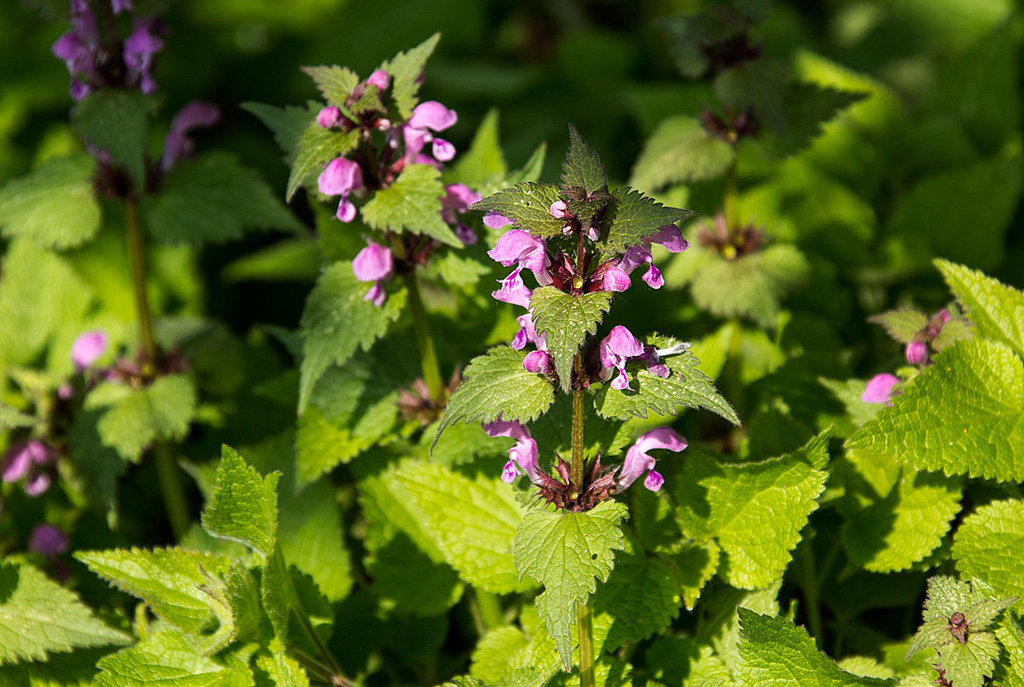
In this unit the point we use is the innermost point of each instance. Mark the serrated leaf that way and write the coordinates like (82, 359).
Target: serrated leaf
(496, 385)
(567, 320)
(680, 151)
(494, 656)
(567, 553)
(686, 386)
(284, 670)
(405, 578)
(673, 660)
(636, 216)
(806, 109)
(337, 321)
(987, 547)
(39, 617)
(967, 665)
(316, 147)
(582, 167)
(116, 121)
(287, 123)
(12, 419)
(902, 324)
(754, 510)
(243, 507)
(411, 203)
(171, 581)
(213, 198)
(334, 83)
(693, 565)
(775, 653)
(406, 70)
(167, 658)
(961, 415)
(995, 309)
(528, 205)
(54, 205)
(132, 419)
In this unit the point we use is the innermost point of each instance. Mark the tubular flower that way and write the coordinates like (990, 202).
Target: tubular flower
(30, 461)
(374, 263)
(668, 236)
(879, 389)
(518, 246)
(638, 461)
(455, 202)
(328, 117)
(513, 290)
(339, 178)
(615, 349)
(429, 116)
(88, 347)
(523, 454)
(916, 352)
(139, 49)
(177, 144)
(47, 540)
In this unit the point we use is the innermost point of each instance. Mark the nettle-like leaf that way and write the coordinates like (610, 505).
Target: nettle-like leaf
(284, 670)
(995, 309)
(39, 617)
(117, 121)
(316, 147)
(337, 321)
(412, 203)
(334, 83)
(567, 553)
(528, 205)
(755, 511)
(582, 167)
(243, 507)
(680, 150)
(987, 547)
(287, 124)
(636, 216)
(12, 419)
(406, 70)
(776, 653)
(214, 198)
(495, 385)
(902, 324)
(685, 387)
(168, 657)
(54, 205)
(567, 320)
(961, 415)
(807, 107)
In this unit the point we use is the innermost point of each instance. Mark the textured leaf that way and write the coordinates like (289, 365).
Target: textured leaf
(902, 324)
(12, 419)
(528, 205)
(243, 507)
(284, 670)
(494, 656)
(680, 151)
(287, 123)
(404, 577)
(567, 553)
(411, 203)
(582, 167)
(686, 386)
(54, 205)
(693, 565)
(214, 198)
(775, 653)
(336, 321)
(39, 617)
(116, 121)
(636, 216)
(807, 107)
(755, 510)
(406, 70)
(496, 385)
(988, 547)
(567, 320)
(167, 658)
(967, 665)
(996, 310)
(316, 147)
(962, 415)
(334, 83)
(679, 660)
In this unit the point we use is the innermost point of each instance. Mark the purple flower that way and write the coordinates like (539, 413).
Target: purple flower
(527, 334)
(638, 461)
(879, 389)
(456, 201)
(29, 461)
(88, 347)
(523, 454)
(177, 144)
(328, 117)
(373, 263)
(339, 178)
(513, 290)
(47, 540)
(493, 220)
(916, 352)
(77, 48)
(538, 361)
(139, 49)
(668, 236)
(429, 116)
(380, 78)
(517, 246)
(558, 209)
(615, 349)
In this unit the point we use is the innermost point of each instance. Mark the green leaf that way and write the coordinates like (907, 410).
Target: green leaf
(967, 665)
(961, 415)
(12, 419)
(680, 151)
(673, 660)
(807, 108)
(284, 670)
(54, 205)
(636, 216)
(172, 581)
(213, 198)
(987, 547)
(406, 70)
(316, 147)
(293, 259)
(167, 657)
(39, 617)
(334, 83)
(132, 419)
(996, 310)
(567, 320)
(244, 505)
(116, 121)
(483, 162)
(337, 321)
(496, 385)
(775, 653)
(902, 324)
(686, 386)
(472, 522)
(528, 205)
(405, 578)
(411, 203)
(567, 553)
(755, 511)
(582, 168)
(287, 123)
(495, 655)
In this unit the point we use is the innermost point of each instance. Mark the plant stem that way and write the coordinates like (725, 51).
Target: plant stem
(172, 490)
(731, 195)
(583, 621)
(486, 610)
(577, 424)
(136, 259)
(425, 344)
(307, 625)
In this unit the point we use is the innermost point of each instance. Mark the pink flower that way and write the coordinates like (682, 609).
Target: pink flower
(456, 201)
(558, 209)
(513, 290)
(518, 246)
(638, 461)
(139, 49)
(88, 347)
(668, 236)
(339, 178)
(328, 117)
(916, 352)
(429, 116)
(493, 220)
(615, 349)
(538, 361)
(177, 144)
(879, 389)
(374, 263)
(28, 460)
(380, 78)
(524, 453)
(47, 540)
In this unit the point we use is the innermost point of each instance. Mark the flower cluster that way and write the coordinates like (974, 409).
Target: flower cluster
(731, 242)
(32, 462)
